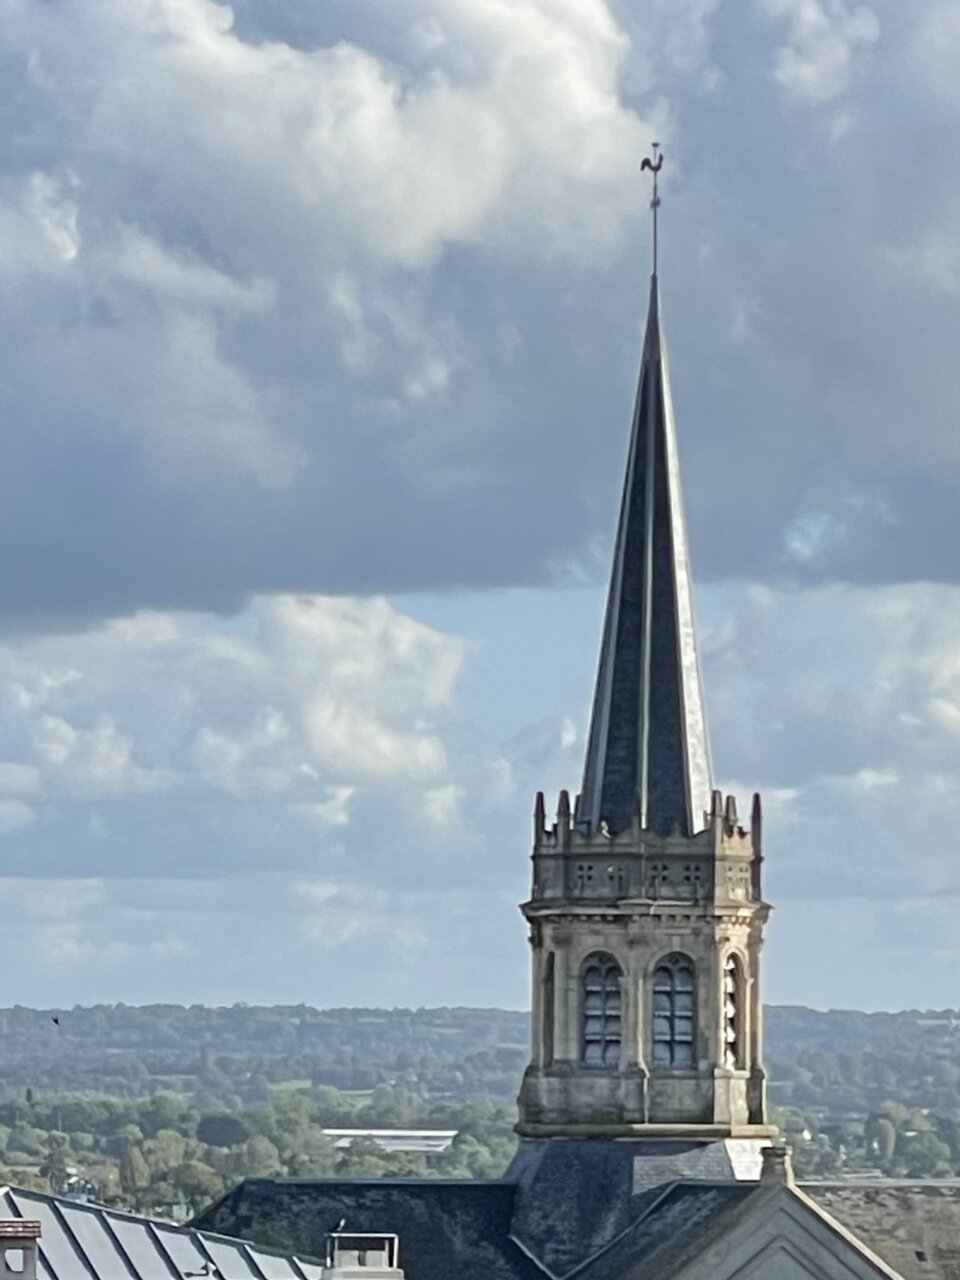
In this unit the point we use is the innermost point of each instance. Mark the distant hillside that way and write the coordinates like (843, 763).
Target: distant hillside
(163, 1106)
(133, 1051)
(838, 1061)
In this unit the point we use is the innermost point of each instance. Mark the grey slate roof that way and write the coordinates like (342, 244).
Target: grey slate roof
(463, 1229)
(575, 1198)
(913, 1226)
(565, 1208)
(449, 1230)
(589, 1210)
(676, 1225)
(647, 749)
(87, 1242)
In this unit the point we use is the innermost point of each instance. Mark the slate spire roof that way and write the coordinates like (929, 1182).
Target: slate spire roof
(647, 751)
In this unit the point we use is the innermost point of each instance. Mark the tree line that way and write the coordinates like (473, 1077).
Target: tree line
(162, 1108)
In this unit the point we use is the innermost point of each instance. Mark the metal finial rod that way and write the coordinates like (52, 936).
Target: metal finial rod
(654, 165)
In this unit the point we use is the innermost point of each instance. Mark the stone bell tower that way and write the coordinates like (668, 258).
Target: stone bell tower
(646, 914)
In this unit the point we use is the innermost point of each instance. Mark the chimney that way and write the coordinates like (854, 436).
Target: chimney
(777, 1165)
(362, 1256)
(18, 1248)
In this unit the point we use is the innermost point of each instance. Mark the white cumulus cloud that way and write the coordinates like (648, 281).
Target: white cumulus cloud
(824, 40)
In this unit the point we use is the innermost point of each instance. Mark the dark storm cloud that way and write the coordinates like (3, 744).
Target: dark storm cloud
(228, 372)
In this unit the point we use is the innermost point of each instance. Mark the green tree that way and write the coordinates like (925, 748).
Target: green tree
(222, 1130)
(925, 1156)
(364, 1158)
(259, 1158)
(165, 1151)
(316, 1157)
(881, 1136)
(120, 1142)
(197, 1182)
(56, 1165)
(25, 1140)
(164, 1111)
(134, 1176)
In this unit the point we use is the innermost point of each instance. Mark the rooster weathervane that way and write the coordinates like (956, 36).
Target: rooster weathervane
(654, 164)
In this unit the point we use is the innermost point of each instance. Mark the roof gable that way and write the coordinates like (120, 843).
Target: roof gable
(780, 1234)
(782, 1262)
(676, 1224)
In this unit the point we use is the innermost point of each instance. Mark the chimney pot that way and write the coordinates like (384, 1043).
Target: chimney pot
(777, 1165)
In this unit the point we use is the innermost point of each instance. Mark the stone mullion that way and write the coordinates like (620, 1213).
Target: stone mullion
(745, 997)
(565, 1037)
(633, 1004)
(756, 1013)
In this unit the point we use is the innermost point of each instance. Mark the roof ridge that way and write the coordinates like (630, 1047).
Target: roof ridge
(656, 1200)
(706, 1231)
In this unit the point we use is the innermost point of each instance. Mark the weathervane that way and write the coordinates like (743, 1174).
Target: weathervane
(654, 165)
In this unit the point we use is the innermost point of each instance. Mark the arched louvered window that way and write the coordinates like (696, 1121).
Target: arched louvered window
(600, 1003)
(732, 1012)
(674, 992)
(549, 1003)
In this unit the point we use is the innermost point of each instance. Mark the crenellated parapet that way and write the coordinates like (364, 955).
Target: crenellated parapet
(719, 863)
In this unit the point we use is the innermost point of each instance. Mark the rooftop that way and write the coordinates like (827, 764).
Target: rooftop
(88, 1242)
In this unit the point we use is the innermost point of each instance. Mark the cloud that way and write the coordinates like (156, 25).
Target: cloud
(18, 778)
(14, 816)
(139, 260)
(218, 249)
(186, 744)
(441, 805)
(301, 706)
(934, 49)
(335, 915)
(38, 226)
(932, 262)
(360, 671)
(332, 812)
(305, 304)
(321, 301)
(824, 40)
(854, 720)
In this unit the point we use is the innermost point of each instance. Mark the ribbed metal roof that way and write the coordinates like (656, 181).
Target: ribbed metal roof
(85, 1240)
(647, 752)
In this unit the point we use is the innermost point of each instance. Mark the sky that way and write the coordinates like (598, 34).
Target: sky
(319, 332)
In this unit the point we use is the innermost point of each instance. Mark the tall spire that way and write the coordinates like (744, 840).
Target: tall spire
(647, 752)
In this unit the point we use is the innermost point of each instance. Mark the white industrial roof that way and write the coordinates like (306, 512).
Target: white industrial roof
(418, 1140)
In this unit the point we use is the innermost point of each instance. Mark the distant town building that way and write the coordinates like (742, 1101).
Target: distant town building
(426, 1142)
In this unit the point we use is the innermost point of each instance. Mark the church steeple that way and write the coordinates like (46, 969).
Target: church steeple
(646, 912)
(647, 752)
